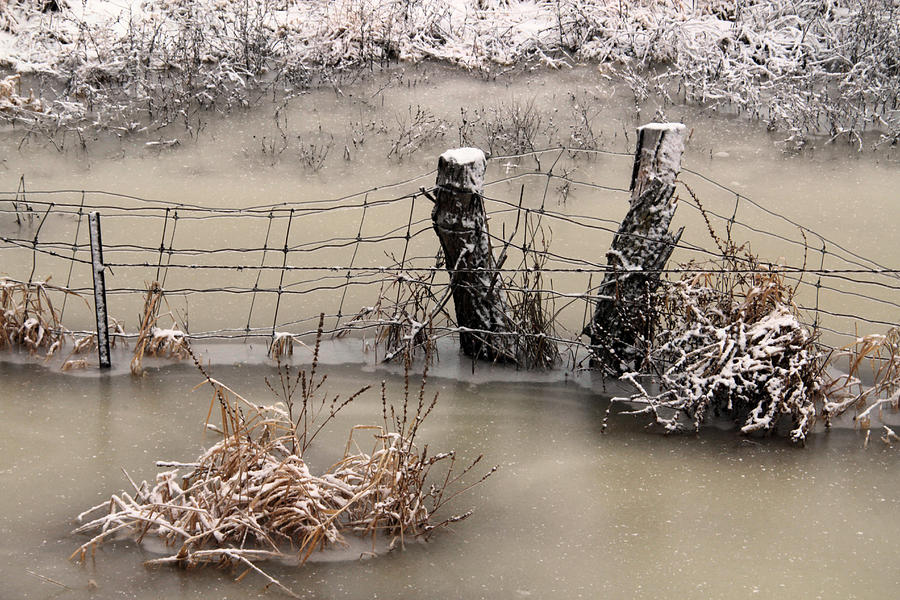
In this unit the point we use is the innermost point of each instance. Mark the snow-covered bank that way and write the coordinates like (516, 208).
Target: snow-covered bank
(802, 67)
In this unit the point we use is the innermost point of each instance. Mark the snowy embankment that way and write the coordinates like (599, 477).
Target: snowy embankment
(801, 66)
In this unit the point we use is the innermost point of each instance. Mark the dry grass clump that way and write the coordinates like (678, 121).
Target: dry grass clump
(404, 316)
(731, 343)
(28, 318)
(11, 100)
(88, 343)
(282, 345)
(871, 382)
(252, 496)
(157, 341)
(531, 308)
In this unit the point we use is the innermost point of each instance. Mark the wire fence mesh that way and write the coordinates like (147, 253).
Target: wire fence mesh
(370, 261)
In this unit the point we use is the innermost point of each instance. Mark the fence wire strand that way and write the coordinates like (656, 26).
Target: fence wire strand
(373, 242)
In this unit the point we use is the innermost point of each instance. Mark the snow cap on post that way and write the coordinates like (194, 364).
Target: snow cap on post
(461, 225)
(462, 169)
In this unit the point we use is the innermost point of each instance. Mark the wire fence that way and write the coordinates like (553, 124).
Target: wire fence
(269, 270)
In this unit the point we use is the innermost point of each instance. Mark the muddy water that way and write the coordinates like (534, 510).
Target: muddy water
(571, 512)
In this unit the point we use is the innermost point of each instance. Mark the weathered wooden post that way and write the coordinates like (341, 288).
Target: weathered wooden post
(99, 290)
(639, 251)
(461, 226)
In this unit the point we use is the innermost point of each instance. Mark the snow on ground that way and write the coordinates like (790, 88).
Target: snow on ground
(801, 66)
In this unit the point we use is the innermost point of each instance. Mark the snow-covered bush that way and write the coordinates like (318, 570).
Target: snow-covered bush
(731, 343)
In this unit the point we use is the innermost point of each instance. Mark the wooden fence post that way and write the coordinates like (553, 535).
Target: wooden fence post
(459, 220)
(622, 320)
(99, 291)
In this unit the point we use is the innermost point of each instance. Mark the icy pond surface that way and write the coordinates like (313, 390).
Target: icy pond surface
(571, 512)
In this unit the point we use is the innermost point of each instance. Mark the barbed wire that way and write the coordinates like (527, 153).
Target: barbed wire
(166, 248)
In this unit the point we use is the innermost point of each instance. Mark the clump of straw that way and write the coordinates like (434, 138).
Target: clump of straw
(282, 345)
(252, 496)
(878, 356)
(157, 341)
(28, 318)
(11, 99)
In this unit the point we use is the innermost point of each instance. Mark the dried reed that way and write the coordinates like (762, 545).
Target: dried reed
(252, 496)
(282, 345)
(875, 358)
(153, 340)
(28, 318)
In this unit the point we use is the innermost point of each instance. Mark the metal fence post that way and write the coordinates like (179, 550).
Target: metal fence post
(99, 291)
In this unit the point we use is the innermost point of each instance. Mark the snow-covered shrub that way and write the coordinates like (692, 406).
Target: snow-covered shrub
(731, 343)
(802, 67)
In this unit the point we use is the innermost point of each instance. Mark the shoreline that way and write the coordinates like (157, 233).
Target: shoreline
(797, 70)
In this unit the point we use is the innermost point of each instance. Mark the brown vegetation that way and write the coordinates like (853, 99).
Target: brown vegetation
(252, 496)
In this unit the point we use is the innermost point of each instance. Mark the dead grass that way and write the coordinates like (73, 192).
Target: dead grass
(531, 308)
(870, 382)
(28, 319)
(282, 345)
(153, 340)
(11, 99)
(252, 496)
(404, 316)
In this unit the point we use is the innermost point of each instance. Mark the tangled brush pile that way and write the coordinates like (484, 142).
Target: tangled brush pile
(732, 344)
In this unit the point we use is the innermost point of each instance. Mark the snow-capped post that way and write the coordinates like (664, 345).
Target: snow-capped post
(461, 225)
(99, 290)
(639, 251)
